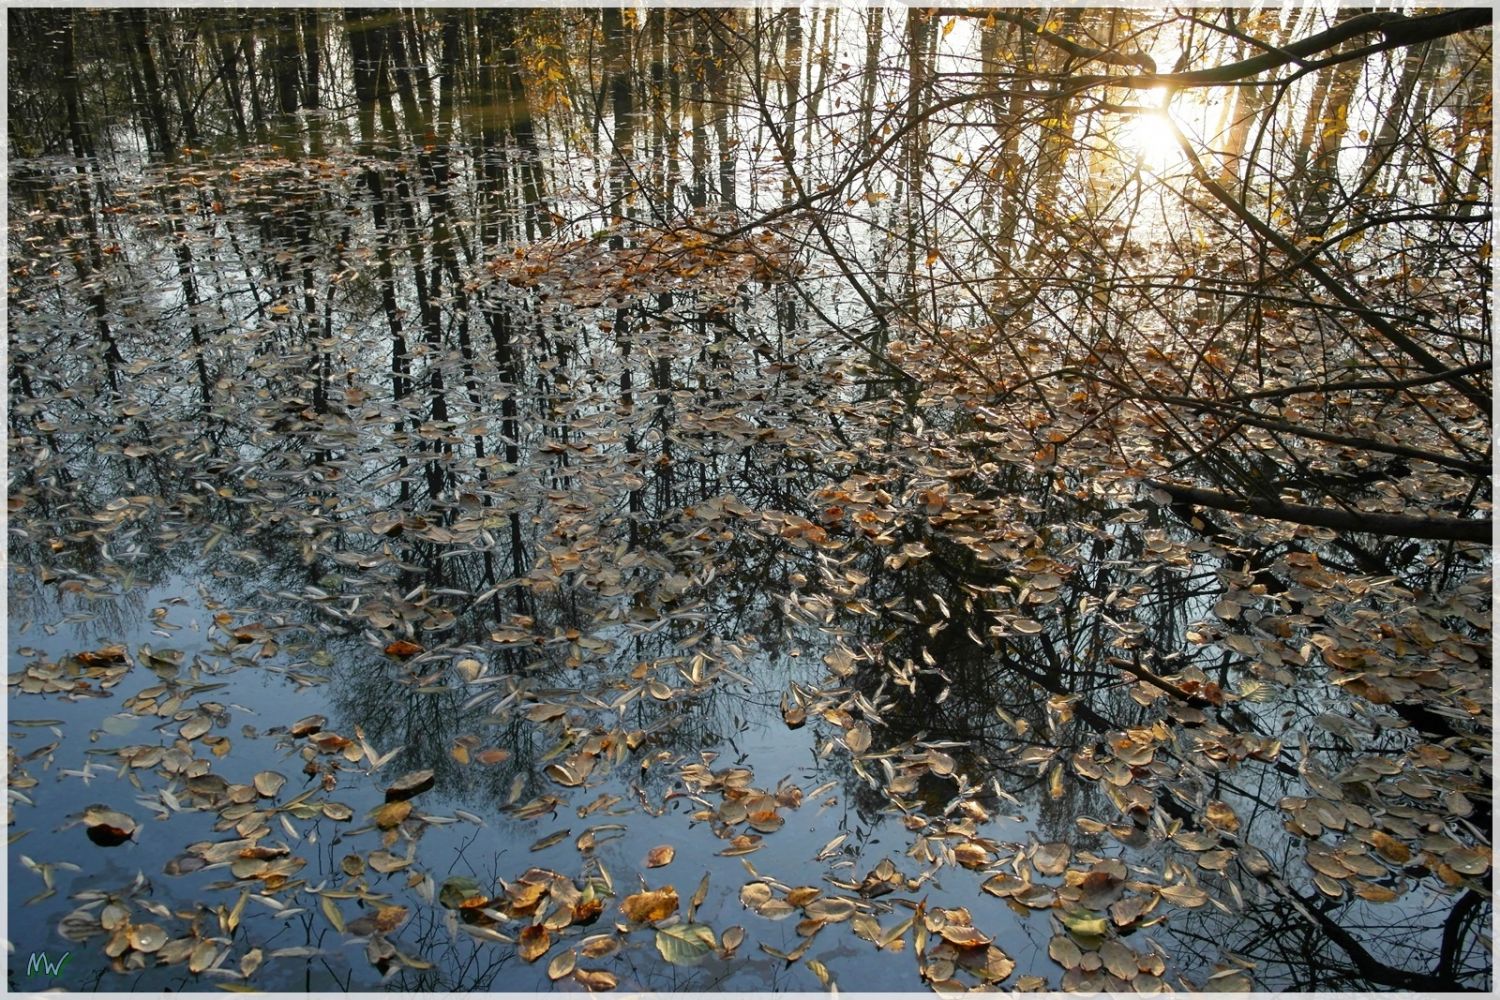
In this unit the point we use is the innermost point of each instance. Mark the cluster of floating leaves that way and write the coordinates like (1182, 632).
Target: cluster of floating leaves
(893, 497)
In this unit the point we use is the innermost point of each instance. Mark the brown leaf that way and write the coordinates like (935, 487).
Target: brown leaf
(401, 649)
(388, 918)
(1221, 817)
(390, 815)
(971, 855)
(596, 980)
(660, 856)
(533, 943)
(650, 906)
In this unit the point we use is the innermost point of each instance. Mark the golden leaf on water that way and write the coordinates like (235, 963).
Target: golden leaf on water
(660, 856)
(963, 936)
(830, 909)
(755, 894)
(802, 895)
(1222, 817)
(599, 946)
(992, 965)
(533, 942)
(650, 906)
(564, 774)
(388, 918)
(562, 965)
(596, 980)
(390, 815)
(552, 838)
(971, 855)
(765, 820)
(1373, 892)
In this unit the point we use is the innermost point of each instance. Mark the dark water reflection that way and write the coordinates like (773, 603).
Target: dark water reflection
(637, 544)
(285, 636)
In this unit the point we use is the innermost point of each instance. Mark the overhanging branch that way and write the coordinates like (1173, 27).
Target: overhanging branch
(1447, 529)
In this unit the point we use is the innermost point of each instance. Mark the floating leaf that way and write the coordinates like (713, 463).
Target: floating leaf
(599, 946)
(685, 944)
(195, 727)
(1222, 817)
(108, 827)
(596, 980)
(1051, 859)
(337, 811)
(390, 815)
(147, 938)
(202, 956)
(402, 649)
(268, 783)
(533, 943)
(660, 856)
(830, 909)
(308, 725)
(1064, 951)
(1468, 860)
(409, 785)
(1189, 896)
(1373, 892)
(971, 855)
(857, 739)
(562, 965)
(651, 906)
(1083, 924)
(386, 862)
(333, 913)
(1119, 959)
(457, 890)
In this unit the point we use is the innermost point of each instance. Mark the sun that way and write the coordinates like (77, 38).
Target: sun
(1149, 135)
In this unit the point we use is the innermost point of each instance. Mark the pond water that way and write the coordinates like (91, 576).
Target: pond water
(432, 572)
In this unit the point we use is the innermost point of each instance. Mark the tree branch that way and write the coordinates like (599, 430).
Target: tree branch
(1460, 529)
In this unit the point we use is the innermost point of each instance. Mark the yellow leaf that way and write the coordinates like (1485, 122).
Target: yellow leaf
(649, 907)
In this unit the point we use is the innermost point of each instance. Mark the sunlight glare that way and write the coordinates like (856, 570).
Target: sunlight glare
(1148, 137)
